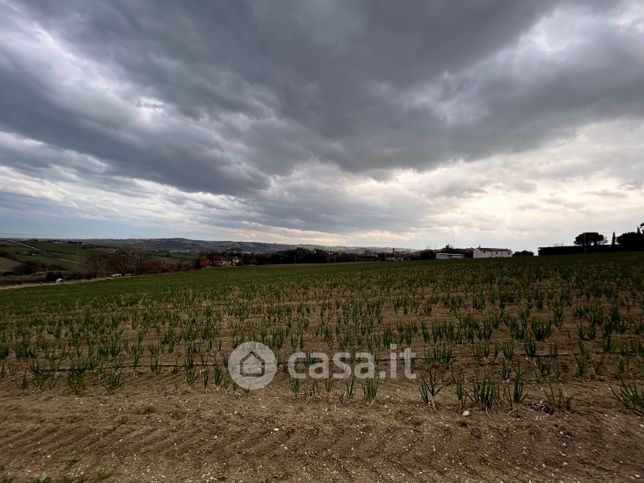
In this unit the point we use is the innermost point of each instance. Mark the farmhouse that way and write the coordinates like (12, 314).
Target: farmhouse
(491, 252)
(218, 261)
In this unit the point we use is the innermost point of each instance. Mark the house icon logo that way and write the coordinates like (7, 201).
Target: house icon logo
(252, 365)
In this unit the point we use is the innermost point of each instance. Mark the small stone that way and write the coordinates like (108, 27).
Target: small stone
(466, 413)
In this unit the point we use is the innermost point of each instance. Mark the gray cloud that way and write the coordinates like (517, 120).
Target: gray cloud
(237, 98)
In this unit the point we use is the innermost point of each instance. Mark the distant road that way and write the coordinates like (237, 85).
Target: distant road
(52, 284)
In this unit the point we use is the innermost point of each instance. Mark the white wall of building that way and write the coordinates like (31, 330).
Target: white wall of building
(491, 253)
(448, 256)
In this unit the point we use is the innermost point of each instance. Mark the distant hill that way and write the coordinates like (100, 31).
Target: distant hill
(54, 255)
(197, 246)
(25, 260)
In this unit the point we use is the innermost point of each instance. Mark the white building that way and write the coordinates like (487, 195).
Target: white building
(492, 252)
(448, 256)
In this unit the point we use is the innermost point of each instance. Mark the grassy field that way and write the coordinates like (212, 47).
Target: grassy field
(530, 367)
(6, 264)
(54, 255)
(31, 261)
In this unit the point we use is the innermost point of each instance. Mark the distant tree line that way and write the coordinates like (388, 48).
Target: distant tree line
(523, 253)
(296, 255)
(594, 242)
(304, 255)
(130, 261)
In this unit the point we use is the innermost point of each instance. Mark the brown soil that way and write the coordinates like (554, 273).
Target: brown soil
(157, 428)
(6, 264)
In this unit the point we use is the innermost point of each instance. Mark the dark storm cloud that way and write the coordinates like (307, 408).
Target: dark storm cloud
(232, 97)
(30, 107)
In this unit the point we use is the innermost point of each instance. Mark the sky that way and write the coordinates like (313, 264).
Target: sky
(416, 124)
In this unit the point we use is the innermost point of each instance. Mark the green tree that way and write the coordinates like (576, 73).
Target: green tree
(590, 238)
(631, 239)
